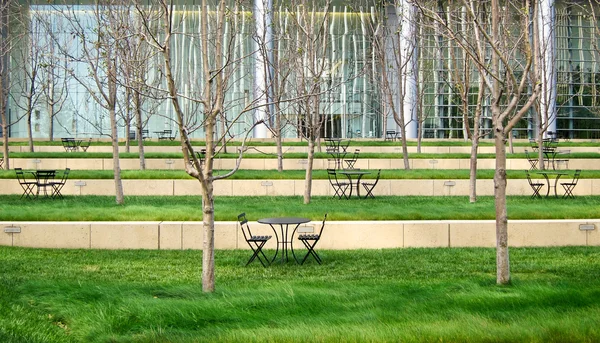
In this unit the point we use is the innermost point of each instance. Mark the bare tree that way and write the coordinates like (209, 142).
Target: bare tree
(396, 49)
(10, 16)
(309, 21)
(98, 31)
(505, 50)
(29, 85)
(204, 84)
(508, 82)
(54, 79)
(466, 50)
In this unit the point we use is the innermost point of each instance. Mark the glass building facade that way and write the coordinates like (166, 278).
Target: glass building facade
(352, 100)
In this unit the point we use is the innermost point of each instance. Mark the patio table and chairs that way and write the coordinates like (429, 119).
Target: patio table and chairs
(549, 149)
(551, 173)
(284, 240)
(354, 183)
(42, 180)
(337, 148)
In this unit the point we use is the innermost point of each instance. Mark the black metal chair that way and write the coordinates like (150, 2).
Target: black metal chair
(535, 186)
(256, 243)
(533, 161)
(58, 185)
(338, 187)
(369, 186)
(561, 159)
(569, 186)
(84, 145)
(352, 160)
(534, 145)
(27, 185)
(310, 240)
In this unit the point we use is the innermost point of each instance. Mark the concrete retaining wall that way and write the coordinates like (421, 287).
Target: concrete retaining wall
(337, 234)
(229, 187)
(304, 149)
(288, 164)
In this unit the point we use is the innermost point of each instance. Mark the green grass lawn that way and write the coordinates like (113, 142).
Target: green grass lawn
(353, 142)
(391, 295)
(293, 155)
(188, 208)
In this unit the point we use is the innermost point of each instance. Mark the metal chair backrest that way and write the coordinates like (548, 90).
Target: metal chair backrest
(322, 226)
(20, 175)
(377, 179)
(529, 178)
(244, 226)
(332, 175)
(576, 176)
(65, 175)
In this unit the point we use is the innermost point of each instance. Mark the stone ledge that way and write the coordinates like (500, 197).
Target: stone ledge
(230, 187)
(337, 234)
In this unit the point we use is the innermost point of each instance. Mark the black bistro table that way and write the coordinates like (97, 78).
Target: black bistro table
(284, 240)
(350, 174)
(546, 174)
(44, 179)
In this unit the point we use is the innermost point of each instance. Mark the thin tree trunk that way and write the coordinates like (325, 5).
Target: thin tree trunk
(473, 170)
(29, 130)
(309, 168)
(502, 257)
(139, 127)
(208, 246)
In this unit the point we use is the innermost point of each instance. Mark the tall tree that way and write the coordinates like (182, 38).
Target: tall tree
(309, 21)
(202, 83)
(99, 30)
(514, 53)
(11, 17)
(504, 47)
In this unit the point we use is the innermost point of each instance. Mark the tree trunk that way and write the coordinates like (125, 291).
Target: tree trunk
(116, 165)
(502, 258)
(50, 110)
(278, 139)
(139, 127)
(208, 246)
(112, 104)
(473, 169)
(29, 130)
(309, 168)
(5, 140)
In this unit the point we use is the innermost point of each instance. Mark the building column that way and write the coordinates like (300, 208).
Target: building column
(546, 23)
(406, 13)
(263, 18)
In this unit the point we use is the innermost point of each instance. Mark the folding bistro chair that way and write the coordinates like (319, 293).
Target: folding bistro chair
(535, 186)
(27, 185)
(569, 186)
(369, 186)
(352, 160)
(338, 187)
(58, 185)
(310, 240)
(533, 161)
(256, 243)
